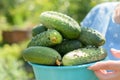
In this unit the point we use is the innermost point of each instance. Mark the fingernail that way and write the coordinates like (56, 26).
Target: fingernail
(113, 49)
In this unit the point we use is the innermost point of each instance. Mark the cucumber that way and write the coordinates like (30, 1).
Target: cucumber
(89, 36)
(67, 46)
(47, 38)
(66, 25)
(41, 55)
(38, 29)
(83, 56)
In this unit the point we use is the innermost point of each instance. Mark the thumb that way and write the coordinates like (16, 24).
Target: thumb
(105, 65)
(115, 52)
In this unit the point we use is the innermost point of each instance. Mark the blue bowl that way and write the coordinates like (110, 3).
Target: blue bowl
(79, 72)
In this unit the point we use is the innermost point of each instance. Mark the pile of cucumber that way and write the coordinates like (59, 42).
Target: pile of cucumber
(60, 40)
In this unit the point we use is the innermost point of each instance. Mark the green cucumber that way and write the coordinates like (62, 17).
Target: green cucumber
(89, 36)
(47, 38)
(38, 29)
(41, 55)
(83, 56)
(67, 46)
(66, 25)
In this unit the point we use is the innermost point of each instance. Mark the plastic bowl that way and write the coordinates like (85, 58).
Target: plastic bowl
(79, 72)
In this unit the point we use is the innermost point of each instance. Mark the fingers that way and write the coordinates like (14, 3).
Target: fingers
(106, 65)
(115, 52)
(117, 15)
(101, 70)
(104, 75)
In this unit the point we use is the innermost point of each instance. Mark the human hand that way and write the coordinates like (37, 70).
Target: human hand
(115, 53)
(116, 14)
(100, 68)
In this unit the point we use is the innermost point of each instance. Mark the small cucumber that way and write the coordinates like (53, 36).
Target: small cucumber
(67, 46)
(38, 29)
(47, 38)
(41, 55)
(66, 25)
(84, 55)
(89, 36)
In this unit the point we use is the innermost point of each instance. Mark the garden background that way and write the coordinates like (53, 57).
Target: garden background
(19, 17)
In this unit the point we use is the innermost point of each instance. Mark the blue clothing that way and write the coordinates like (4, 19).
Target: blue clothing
(100, 18)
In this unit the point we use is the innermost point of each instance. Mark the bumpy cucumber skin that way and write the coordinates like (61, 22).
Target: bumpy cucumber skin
(89, 36)
(47, 38)
(67, 26)
(67, 46)
(38, 29)
(84, 55)
(41, 55)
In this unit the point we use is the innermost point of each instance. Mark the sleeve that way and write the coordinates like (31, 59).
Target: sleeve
(98, 18)
(88, 20)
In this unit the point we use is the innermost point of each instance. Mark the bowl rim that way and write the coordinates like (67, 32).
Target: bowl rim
(57, 67)
(66, 67)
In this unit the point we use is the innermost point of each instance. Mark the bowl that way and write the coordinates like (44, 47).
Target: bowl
(78, 72)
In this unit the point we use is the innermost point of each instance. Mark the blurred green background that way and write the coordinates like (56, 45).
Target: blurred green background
(19, 17)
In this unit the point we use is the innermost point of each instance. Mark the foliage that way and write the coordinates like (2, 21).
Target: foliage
(14, 11)
(11, 67)
(23, 13)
